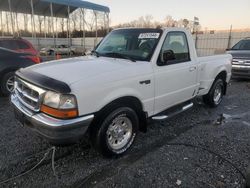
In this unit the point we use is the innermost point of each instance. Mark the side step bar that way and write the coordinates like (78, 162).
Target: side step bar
(173, 113)
(159, 118)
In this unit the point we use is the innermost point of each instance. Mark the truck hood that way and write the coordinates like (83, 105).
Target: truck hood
(73, 70)
(241, 54)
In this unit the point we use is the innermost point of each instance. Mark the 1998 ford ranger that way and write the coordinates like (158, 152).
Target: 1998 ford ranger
(132, 75)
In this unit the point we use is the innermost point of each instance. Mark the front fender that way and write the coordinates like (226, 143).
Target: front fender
(94, 98)
(119, 93)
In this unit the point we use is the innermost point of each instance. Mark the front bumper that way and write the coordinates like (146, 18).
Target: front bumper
(240, 71)
(56, 131)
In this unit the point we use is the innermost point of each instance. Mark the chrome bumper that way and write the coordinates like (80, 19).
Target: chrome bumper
(57, 131)
(240, 71)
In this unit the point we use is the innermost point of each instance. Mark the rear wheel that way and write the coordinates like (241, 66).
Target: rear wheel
(116, 132)
(7, 84)
(215, 95)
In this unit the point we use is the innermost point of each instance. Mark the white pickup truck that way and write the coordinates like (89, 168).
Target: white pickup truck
(132, 75)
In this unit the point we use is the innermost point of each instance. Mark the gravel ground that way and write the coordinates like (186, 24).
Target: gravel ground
(202, 147)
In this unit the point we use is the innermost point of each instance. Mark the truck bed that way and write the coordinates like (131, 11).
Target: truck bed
(209, 67)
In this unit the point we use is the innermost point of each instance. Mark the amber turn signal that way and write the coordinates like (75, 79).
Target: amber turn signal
(58, 113)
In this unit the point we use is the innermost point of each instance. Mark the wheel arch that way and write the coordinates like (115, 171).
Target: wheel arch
(5, 71)
(129, 101)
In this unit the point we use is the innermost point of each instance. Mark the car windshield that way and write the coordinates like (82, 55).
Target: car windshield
(133, 44)
(242, 45)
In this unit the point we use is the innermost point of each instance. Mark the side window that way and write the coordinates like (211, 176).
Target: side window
(175, 49)
(9, 44)
(22, 45)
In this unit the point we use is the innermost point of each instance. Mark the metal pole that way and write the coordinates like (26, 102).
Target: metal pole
(230, 37)
(17, 26)
(2, 24)
(56, 30)
(108, 23)
(33, 21)
(196, 39)
(68, 28)
(96, 34)
(11, 17)
(25, 21)
(44, 26)
(48, 28)
(104, 21)
(83, 31)
(81, 22)
(69, 35)
(8, 28)
(52, 24)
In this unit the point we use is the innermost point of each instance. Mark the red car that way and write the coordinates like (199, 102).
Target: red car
(21, 45)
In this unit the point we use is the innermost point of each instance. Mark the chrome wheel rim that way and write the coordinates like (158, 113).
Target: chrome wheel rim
(217, 94)
(119, 133)
(10, 84)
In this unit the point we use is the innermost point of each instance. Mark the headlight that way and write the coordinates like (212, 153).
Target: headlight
(67, 102)
(59, 101)
(52, 99)
(59, 105)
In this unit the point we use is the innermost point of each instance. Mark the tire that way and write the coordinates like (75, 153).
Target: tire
(215, 95)
(5, 86)
(116, 132)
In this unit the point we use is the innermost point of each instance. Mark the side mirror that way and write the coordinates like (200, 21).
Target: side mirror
(228, 49)
(168, 55)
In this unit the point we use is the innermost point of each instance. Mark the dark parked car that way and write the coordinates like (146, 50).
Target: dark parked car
(10, 61)
(21, 45)
(241, 59)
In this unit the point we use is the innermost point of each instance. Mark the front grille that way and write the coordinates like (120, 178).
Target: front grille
(28, 94)
(242, 62)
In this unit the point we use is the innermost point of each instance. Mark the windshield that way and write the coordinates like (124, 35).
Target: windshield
(136, 44)
(242, 45)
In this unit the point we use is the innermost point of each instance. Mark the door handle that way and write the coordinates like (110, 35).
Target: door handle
(191, 69)
(146, 82)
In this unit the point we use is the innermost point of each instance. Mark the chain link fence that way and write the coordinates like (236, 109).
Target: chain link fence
(216, 42)
(207, 42)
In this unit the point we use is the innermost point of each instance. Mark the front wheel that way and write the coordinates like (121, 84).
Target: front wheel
(116, 133)
(7, 83)
(215, 95)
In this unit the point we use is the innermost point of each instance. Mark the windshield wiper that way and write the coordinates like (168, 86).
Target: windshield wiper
(94, 52)
(119, 55)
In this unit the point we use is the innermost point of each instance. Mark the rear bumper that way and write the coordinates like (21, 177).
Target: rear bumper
(239, 71)
(56, 131)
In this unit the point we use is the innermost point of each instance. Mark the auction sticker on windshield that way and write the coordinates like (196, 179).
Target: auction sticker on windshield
(149, 35)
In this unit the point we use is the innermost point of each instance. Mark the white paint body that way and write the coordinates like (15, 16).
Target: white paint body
(98, 81)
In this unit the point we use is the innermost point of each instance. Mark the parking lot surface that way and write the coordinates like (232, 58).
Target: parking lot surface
(202, 147)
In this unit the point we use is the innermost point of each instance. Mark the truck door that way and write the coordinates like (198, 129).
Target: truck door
(176, 78)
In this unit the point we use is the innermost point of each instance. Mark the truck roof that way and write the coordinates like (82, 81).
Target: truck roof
(153, 29)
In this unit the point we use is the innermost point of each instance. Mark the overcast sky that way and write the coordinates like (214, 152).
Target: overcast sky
(213, 14)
